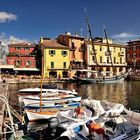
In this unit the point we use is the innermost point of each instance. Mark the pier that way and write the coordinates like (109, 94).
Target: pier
(7, 125)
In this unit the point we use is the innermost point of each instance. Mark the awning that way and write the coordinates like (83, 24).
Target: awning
(26, 69)
(6, 66)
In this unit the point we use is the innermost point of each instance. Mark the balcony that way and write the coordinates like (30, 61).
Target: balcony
(77, 66)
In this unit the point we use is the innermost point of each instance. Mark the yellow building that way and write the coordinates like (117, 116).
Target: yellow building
(102, 57)
(55, 58)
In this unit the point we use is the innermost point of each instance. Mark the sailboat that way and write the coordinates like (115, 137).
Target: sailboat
(92, 76)
(45, 109)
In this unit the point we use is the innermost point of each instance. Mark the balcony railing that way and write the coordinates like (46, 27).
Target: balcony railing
(77, 66)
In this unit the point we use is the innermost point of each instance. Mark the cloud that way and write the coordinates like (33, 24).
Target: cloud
(5, 40)
(6, 17)
(124, 37)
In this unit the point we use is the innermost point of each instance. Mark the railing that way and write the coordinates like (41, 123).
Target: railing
(77, 67)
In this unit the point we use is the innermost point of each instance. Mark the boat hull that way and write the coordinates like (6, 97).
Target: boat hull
(33, 116)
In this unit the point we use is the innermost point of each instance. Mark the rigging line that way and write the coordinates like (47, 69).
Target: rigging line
(108, 46)
(90, 35)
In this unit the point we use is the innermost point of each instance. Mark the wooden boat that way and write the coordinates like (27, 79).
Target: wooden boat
(49, 105)
(71, 115)
(46, 93)
(52, 99)
(98, 79)
(37, 90)
(44, 114)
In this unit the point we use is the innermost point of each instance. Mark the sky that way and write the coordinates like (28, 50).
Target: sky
(28, 20)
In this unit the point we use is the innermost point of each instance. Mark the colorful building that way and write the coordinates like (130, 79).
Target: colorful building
(22, 57)
(55, 58)
(101, 55)
(133, 54)
(76, 47)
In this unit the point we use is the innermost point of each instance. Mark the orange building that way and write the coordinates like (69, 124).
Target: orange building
(76, 48)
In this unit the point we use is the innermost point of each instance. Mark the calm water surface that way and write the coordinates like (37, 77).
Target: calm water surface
(127, 93)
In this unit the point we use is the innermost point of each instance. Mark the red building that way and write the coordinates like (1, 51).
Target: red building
(23, 57)
(133, 54)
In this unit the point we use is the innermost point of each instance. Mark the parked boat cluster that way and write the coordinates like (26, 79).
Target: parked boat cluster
(66, 116)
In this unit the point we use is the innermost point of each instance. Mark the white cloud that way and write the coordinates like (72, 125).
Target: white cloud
(6, 17)
(11, 39)
(124, 37)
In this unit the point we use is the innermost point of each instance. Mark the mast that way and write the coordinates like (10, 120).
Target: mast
(91, 38)
(108, 50)
(41, 83)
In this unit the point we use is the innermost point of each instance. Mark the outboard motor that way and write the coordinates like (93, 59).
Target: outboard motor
(53, 131)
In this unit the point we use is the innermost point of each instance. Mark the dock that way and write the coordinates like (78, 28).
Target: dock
(6, 112)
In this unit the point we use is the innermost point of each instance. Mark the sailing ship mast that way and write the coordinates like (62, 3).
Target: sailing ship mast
(91, 38)
(108, 50)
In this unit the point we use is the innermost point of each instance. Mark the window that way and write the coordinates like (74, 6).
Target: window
(52, 65)
(26, 48)
(18, 48)
(18, 63)
(120, 60)
(28, 63)
(64, 65)
(51, 52)
(100, 59)
(100, 48)
(107, 59)
(93, 58)
(64, 53)
(114, 60)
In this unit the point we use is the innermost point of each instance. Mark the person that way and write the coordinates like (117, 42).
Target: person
(95, 128)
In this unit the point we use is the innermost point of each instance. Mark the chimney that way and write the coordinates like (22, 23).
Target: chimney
(68, 33)
(76, 34)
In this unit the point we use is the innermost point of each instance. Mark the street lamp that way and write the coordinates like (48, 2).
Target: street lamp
(134, 63)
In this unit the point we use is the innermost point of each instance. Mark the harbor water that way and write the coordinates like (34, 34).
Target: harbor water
(127, 93)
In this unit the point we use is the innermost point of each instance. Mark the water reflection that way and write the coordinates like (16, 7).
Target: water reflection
(125, 92)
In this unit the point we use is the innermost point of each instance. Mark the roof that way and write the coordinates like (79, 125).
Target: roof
(52, 44)
(22, 44)
(72, 36)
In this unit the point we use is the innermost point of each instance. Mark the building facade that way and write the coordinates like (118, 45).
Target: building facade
(55, 59)
(22, 57)
(133, 54)
(102, 56)
(75, 44)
